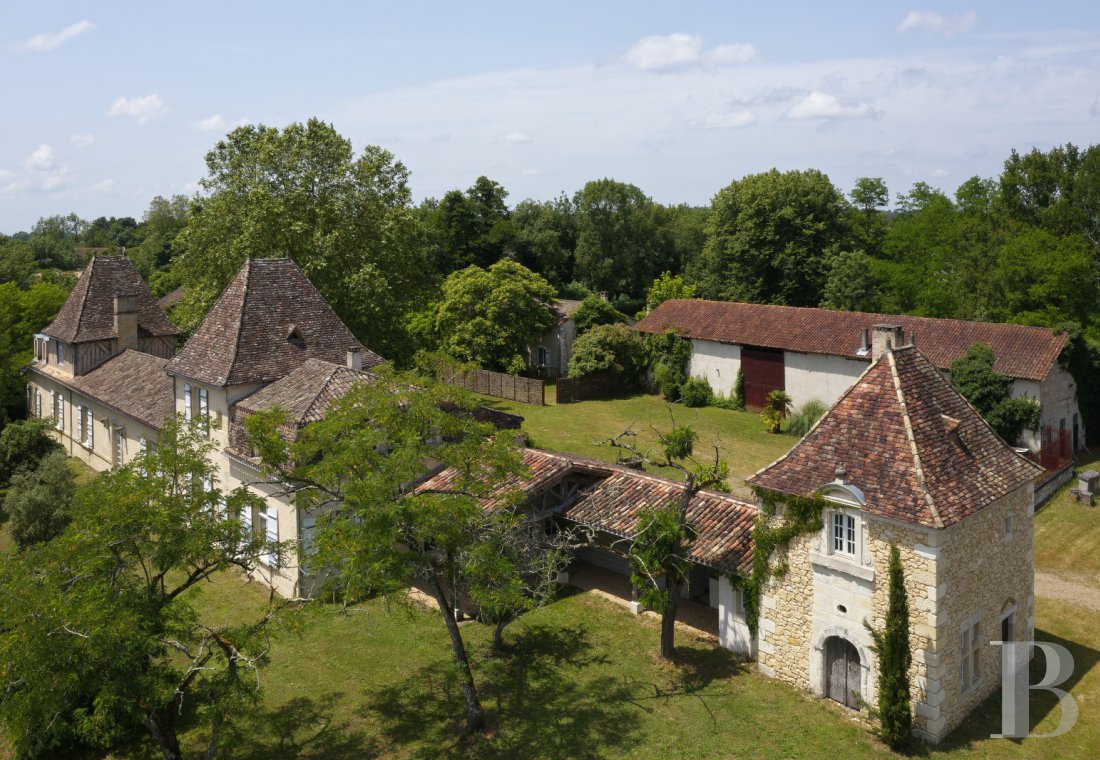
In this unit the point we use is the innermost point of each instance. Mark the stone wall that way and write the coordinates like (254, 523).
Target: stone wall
(981, 575)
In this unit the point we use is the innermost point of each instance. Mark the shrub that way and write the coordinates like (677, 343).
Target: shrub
(739, 389)
(696, 392)
(805, 417)
(991, 393)
(613, 349)
(23, 445)
(595, 311)
(39, 500)
(776, 406)
(894, 659)
(668, 380)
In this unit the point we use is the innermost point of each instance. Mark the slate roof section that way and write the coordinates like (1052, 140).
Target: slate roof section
(89, 312)
(308, 391)
(268, 321)
(132, 383)
(1022, 352)
(918, 451)
(614, 502)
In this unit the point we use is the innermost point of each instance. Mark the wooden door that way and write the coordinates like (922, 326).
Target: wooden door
(763, 368)
(842, 672)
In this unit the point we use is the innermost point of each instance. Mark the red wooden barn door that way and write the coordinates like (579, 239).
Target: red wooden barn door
(763, 368)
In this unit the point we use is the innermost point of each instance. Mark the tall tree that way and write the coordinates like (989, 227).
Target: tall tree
(380, 535)
(545, 236)
(770, 236)
(663, 535)
(615, 237)
(471, 228)
(491, 317)
(100, 635)
(302, 193)
(22, 314)
(870, 198)
(894, 659)
(39, 501)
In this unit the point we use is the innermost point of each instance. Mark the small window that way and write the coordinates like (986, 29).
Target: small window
(1008, 528)
(844, 534)
(80, 424)
(117, 443)
(187, 402)
(60, 354)
(204, 411)
(269, 529)
(60, 412)
(38, 403)
(88, 428)
(970, 656)
(544, 356)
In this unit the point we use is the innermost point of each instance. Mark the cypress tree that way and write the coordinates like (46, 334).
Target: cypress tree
(894, 658)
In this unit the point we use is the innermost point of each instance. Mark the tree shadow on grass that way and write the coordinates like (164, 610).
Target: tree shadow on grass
(301, 727)
(540, 698)
(985, 719)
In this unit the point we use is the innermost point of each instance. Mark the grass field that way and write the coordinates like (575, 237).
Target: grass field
(581, 429)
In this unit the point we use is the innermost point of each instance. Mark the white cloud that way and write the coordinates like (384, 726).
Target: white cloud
(210, 123)
(517, 137)
(82, 139)
(673, 51)
(50, 40)
(142, 108)
(38, 172)
(727, 55)
(731, 120)
(103, 186)
(820, 105)
(668, 52)
(930, 21)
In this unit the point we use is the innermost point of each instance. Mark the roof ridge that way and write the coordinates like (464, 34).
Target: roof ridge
(246, 270)
(84, 296)
(908, 424)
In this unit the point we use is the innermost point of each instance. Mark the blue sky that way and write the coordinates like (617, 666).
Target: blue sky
(107, 105)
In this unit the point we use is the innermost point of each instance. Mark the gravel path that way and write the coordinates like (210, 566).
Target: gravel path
(1078, 590)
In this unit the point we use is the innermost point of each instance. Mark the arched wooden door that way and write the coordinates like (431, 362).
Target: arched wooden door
(842, 672)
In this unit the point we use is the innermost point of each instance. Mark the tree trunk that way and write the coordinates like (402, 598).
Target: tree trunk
(668, 619)
(498, 635)
(475, 715)
(165, 736)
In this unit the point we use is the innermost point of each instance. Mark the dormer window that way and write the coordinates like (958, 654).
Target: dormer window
(294, 337)
(844, 534)
(843, 526)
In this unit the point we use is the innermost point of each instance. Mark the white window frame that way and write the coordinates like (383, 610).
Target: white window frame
(845, 542)
(246, 520)
(118, 439)
(37, 403)
(187, 402)
(204, 411)
(143, 449)
(89, 427)
(269, 527)
(60, 354)
(59, 402)
(79, 414)
(970, 655)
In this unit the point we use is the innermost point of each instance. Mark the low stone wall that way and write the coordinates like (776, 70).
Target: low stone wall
(1049, 486)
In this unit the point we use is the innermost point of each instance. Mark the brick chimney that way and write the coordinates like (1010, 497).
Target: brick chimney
(885, 337)
(126, 322)
(355, 359)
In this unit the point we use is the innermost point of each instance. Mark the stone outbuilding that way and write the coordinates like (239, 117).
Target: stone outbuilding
(901, 459)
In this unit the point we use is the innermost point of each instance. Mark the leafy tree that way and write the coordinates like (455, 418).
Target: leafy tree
(851, 284)
(894, 659)
(869, 200)
(615, 237)
(609, 349)
(163, 221)
(301, 192)
(545, 236)
(22, 314)
(54, 238)
(663, 537)
(667, 287)
(101, 637)
(770, 237)
(384, 536)
(595, 311)
(23, 445)
(991, 393)
(490, 317)
(668, 356)
(470, 229)
(776, 406)
(681, 233)
(39, 501)
(17, 262)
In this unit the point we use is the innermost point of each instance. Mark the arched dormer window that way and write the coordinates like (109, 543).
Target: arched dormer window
(843, 527)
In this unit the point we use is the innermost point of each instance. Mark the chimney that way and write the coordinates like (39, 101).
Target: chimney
(885, 337)
(355, 359)
(603, 296)
(864, 342)
(126, 322)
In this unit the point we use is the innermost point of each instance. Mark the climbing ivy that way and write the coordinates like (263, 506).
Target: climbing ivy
(802, 516)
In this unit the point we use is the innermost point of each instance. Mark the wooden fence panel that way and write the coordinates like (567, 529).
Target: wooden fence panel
(512, 387)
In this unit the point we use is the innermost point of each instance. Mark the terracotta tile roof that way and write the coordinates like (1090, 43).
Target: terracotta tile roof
(132, 383)
(724, 522)
(614, 501)
(1022, 352)
(307, 392)
(268, 321)
(918, 451)
(89, 311)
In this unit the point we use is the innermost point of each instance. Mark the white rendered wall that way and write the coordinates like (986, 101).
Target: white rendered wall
(733, 631)
(817, 376)
(717, 362)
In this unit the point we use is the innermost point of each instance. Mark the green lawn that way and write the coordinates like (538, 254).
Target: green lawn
(1067, 534)
(581, 428)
